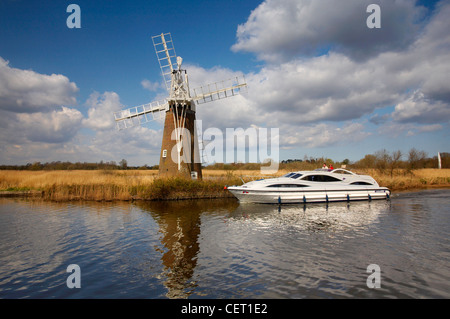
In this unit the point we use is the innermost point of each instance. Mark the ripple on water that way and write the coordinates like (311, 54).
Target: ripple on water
(220, 249)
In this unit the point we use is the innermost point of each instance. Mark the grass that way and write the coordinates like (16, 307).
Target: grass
(111, 185)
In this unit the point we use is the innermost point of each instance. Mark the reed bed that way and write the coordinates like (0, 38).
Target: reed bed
(108, 185)
(113, 185)
(403, 179)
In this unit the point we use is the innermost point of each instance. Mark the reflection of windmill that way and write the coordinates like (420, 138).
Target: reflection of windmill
(180, 226)
(179, 150)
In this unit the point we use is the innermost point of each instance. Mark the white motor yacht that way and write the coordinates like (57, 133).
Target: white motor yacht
(321, 185)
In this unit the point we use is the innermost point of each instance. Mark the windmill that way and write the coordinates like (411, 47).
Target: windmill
(180, 148)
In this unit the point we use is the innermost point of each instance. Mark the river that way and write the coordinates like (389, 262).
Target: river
(223, 249)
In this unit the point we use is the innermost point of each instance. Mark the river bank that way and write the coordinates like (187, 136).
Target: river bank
(109, 185)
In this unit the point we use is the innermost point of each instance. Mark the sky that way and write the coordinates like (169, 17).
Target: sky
(332, 86)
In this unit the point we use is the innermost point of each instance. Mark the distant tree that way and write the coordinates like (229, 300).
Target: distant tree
(395, 161)
(388, 162)
(416, 159)
(445, 159)
(123, 164)
(36, 166)
(369, 161)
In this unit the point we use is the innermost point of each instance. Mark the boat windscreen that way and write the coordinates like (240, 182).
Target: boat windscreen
(289, 174)
(296, 176)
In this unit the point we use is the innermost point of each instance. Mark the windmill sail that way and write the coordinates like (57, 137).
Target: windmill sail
(219, 90)
(167, 58)
(141, 114)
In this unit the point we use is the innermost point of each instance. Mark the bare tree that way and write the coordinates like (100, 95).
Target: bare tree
(123, 164)
(395, 160)
(382, 159)
(416, 158)
(385, 161)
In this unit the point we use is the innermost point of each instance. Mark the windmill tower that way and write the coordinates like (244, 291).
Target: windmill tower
(180, 148)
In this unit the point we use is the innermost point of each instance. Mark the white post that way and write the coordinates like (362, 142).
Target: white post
(439, 160)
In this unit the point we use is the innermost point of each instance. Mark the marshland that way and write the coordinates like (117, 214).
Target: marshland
(108, 185)
(129, 221)
(59, 181)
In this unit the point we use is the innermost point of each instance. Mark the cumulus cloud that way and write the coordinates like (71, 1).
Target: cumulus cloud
(335, 86)
(53, 127)
(29, 91)
(101, 108)
(39, 126)
(394, 129)
(141, 143)
(199, 76)
(319, 101)
(278, 30)
(326, 88)
(30, 107)
(323, 135)
(152, 86)
(420, 109)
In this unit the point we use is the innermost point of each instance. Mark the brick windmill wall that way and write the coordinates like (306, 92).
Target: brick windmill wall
(190, 159)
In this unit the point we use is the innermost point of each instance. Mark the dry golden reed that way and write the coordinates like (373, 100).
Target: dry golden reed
(110, 185)
(113, 185)
(406, 180)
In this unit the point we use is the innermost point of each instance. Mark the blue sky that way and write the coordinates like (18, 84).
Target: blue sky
(332, 86)
(113, 51)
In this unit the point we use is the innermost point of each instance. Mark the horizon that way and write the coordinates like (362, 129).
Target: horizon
(414, 160)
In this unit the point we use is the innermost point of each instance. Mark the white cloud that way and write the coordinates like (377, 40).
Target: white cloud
(282, 29)
(139, 143)
(199, 76)
(152, 86)
(326, 88)
(335, 86)
(302, 96)
(394, 129)
(101, 108)
(430, 128)
(420, 109)
(53, 127)
(28, 91)
(322, 135)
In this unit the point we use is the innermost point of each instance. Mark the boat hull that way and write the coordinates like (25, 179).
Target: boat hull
(308, 196)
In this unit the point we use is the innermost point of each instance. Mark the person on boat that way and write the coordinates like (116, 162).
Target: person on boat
(324, 166)
(331, 167)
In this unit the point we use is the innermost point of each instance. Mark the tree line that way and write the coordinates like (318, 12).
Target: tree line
(414, 159)
(59, 165)
(382, 160)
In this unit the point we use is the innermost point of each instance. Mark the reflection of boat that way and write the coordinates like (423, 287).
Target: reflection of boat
(317, 217)
(311, 186)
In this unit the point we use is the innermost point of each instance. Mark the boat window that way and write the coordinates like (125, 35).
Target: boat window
(320, 178)
(361, 183)
(287, 185)
(295, 176)
(289, 174)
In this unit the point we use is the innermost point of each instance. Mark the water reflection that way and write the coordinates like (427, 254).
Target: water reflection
(313, 217)
(223, 249)
(179, 224)
(39, 239)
